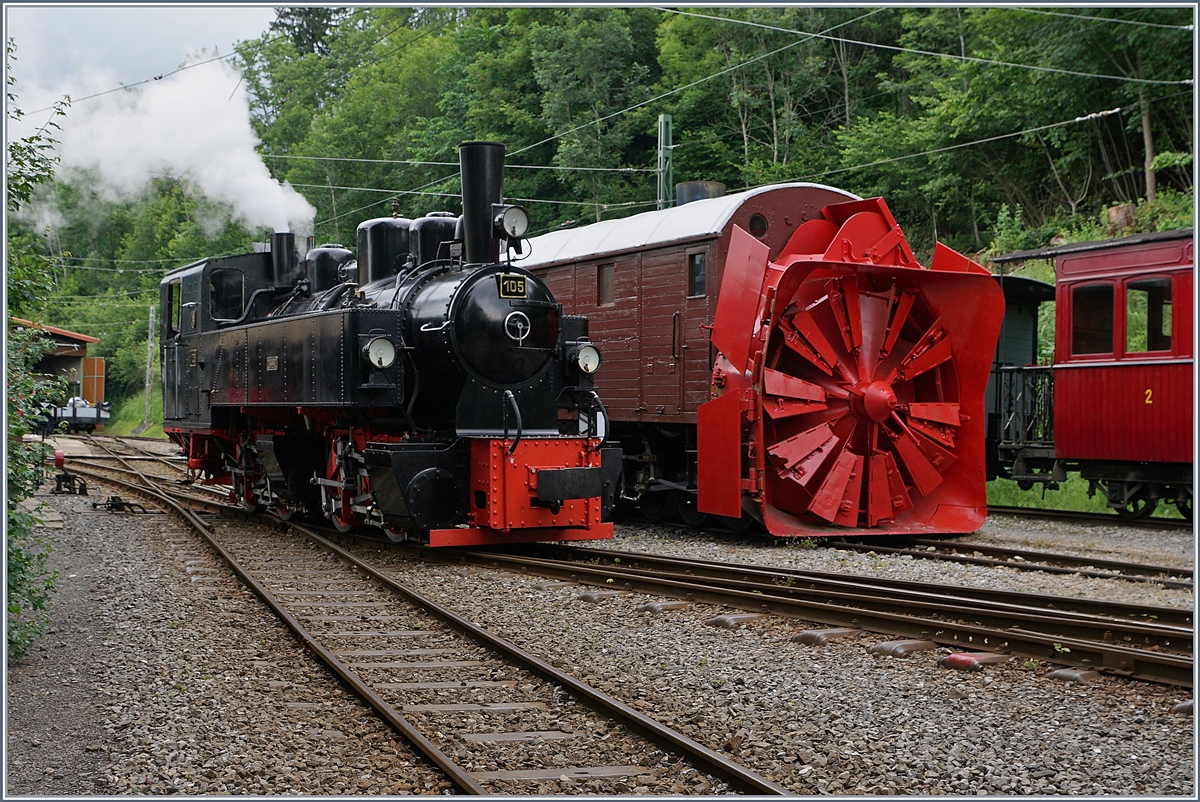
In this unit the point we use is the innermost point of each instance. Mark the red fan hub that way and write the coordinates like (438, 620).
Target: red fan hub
(879, 401)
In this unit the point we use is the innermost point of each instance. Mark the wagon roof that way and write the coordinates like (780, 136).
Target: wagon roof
(694, 220)
(1097, 245)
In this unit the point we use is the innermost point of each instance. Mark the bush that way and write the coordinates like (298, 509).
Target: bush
(30, 580)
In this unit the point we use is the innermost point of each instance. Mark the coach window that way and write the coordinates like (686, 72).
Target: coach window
(696, 265)
(225, 288)
(1148, 315)
(605, 285)
(1092, 319)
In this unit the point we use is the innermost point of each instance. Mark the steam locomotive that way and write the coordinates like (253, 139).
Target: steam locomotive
(423, 386)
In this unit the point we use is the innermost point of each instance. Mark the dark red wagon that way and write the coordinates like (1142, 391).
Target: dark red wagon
(780, 355)
(1118, 404)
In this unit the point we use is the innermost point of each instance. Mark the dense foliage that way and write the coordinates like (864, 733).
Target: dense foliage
(989, 129)
(30, 583)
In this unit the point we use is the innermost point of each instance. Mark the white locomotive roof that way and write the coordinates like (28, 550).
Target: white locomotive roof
(695, 219)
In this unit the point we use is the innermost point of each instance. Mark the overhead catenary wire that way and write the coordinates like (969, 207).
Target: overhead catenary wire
(1115, 20)
(1082, 118)
(418, 163)
(950, 56)
(393, 192)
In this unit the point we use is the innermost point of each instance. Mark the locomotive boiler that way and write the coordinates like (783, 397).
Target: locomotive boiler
(424, 386)
(780, 356)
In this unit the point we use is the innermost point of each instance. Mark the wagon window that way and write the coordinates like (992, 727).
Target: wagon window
(225, 289)
(758, 226)
(1092, 319)
(605, 289)
(1148, 315)
(696, 263)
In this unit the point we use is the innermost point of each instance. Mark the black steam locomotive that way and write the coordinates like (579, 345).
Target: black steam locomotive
(426, 387)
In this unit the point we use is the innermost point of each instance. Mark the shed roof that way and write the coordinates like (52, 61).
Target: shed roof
(57, 332)
(690, 221)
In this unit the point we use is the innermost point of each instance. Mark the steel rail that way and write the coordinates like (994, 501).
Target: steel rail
(1102, 518)
(211, 504)
(967, 559)
(713, 762)
(455, 773)
(146, 454)
(1019, 565)
(1175, 640)
(1112, 658)
(1123, 569)
(988, 598)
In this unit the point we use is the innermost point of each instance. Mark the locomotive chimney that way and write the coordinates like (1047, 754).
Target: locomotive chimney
(690, 191)
(283, 259)
(482, 165)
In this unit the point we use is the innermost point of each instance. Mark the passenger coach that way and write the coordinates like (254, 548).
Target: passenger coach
(1117, 405)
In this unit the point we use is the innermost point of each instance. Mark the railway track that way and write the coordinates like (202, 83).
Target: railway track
(1101, 518)
(1149, 643)
(492, 717)
(1024, 560)
(1016, 559)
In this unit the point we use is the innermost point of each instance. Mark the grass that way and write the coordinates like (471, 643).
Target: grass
(1071, 495)
(127, 415)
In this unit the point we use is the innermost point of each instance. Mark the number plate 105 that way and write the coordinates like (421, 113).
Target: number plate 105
(512, 286)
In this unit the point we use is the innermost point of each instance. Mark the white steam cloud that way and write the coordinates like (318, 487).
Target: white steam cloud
(194, 125)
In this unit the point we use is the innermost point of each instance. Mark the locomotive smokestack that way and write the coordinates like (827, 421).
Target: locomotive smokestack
(482, 165)
(283, 258)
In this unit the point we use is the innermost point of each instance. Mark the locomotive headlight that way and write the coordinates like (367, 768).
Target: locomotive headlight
(512, 220)
(587, 357)
(380, 352)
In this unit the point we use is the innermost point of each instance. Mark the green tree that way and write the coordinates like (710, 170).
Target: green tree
(308, 27)
(591, 64)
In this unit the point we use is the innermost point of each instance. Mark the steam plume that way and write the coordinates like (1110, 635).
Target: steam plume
(193, 124)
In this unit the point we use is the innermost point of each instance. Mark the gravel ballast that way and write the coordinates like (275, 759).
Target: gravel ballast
(164, 675)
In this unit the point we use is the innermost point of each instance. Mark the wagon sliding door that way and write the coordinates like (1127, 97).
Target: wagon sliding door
(662, 326)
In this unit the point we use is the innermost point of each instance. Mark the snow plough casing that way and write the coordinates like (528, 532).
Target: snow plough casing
(848, 390)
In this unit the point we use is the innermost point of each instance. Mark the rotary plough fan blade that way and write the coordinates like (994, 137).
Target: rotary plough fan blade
(860, 398)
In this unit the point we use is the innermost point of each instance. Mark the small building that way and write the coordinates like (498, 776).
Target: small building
(84, 407)
(84, 374)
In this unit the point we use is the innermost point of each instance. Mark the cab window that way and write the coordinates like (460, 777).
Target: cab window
(174, 307)
(1148, 315)
(1092, 319)
(225, 291)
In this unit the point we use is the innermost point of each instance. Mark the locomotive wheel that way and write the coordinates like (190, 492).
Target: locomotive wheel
(249, 499)
(281, 509)
(659, 506)
(342, 517)
(686, 504)
(395, 534)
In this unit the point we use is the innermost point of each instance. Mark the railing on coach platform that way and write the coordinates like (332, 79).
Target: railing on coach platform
(1026, 406)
